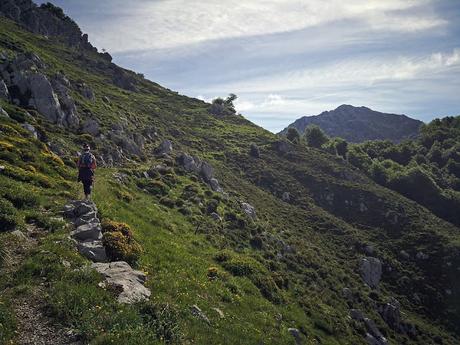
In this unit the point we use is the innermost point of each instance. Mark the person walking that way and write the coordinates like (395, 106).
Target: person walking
(86, 165)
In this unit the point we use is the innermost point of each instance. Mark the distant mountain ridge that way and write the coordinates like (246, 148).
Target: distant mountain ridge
(358, 124)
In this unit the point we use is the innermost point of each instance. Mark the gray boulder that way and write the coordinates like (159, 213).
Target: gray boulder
(92, 250)
(249, 209)
(215, 186)
(4, 94)
(190, 163)
(91, 126)
(28, 127)
(164, 148)
(374, 332)
(89, 231)
(286, 196)
(357, 315)
(3, 112)
(196, 311)
(86, 92)
(207, 171)
(128, 282)
(391, 314)
(296, 334)
(371, 271)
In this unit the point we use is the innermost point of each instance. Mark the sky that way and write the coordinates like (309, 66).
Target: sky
(288, 58)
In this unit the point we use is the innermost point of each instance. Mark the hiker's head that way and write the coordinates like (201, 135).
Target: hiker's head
(86, 147)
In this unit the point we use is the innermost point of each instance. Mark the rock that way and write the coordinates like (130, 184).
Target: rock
(86, 92)
(214, 183)
(371, 271)
(28, 127)
(189, 162)
(127, 282)
(4, 94)
(249, 209)
(286, 197)
(356, 314)
(85, 232)
(374, 331)
(91, 126)
(216, 216)
(83, 207)
(422, 256)
(3, 113)
(254, 151)
(347, 293)
(371, 340)
(207, 171)
(81, 221)
(106, 99)
(92, 250)
(391, 314)
(362, 207)
(296, 334)
(404, 255)
(196, 311)
(164, 148)
(219, 312)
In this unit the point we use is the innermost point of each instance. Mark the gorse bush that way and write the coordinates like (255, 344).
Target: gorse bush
(119, 242)
(315, 137)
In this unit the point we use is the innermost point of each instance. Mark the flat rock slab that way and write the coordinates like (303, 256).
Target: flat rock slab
(129, 282)
(85, 232)
(93, 250)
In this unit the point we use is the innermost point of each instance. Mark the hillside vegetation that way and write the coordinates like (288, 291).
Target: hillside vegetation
(275, 242)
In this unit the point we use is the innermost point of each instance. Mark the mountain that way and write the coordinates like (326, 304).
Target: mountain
(358, 124)
(220, 231)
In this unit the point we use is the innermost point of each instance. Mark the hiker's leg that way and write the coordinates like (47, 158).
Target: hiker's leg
(87, 188)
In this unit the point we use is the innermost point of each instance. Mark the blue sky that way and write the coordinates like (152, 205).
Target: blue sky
(288, 58)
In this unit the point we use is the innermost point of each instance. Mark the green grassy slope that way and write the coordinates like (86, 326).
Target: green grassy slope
(285, 269)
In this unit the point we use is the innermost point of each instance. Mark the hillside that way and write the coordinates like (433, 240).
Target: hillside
(244, 238)
(358, 124)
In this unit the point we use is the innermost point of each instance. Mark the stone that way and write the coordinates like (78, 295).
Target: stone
(164, 148)
(82, 208)
(81, 221)
(216, 216)
(28, 127)
(374, 331)
(92, 250)
(286, 196)
(85, 232)
(215, 186)
(87, 92)
(347, 293)
(106, 99)
(371, 271)
(296, 335)
(249, 209)
(4, 94)
(254, 151)
(391, 314)
(3, 112)
(356, 314)
(403, 254)
(127, 282)
(189, 162)
(219, 312)
(369, 249)
(196, 311)
(91, 127)
(207, 171)
(422, 256)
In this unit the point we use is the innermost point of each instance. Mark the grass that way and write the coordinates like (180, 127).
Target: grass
(285, 269)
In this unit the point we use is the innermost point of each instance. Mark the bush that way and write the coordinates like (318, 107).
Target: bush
(119, 242)
(163, 320)
(168, 202)
(124, 195)
(315, 136)
(44, 221)
(254, 151)
(293, 135)
(242, 266)
(267, 287)
(213, 273)
(155, 187)
(19, 196)
(212, 205)
(9, 217)
(121, 247)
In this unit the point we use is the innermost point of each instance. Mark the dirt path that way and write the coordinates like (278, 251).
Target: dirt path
(33, 326)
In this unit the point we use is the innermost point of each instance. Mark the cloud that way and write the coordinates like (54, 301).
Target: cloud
(174, 23)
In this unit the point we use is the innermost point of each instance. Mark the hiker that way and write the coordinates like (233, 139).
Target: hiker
(86, 165)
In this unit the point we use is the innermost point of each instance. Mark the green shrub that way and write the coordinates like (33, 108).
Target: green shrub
(124, 195)
(315, 136)
(242, 266)
(119, 242)
(163, 320)
(267, 287)
(293, 135)
(155, 187)
(19, 196)
(7, 324)
(121, 247)
(44, 221)
(9, 217)
(212, 205)
(168, 202)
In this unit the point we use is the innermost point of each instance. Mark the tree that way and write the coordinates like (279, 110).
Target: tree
(293, 135)
(315, 136)
(221, 107)
(341, 146)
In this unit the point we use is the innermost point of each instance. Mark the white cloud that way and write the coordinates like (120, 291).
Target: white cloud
(174, 23)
